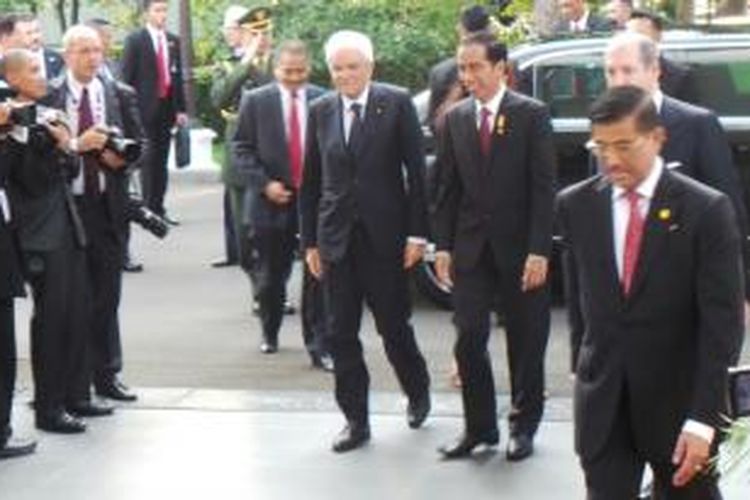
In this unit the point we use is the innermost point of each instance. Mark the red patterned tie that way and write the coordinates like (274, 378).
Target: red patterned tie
(633, 237)
(294, 142)
(90, 167)
(485, 132)
(162, 75)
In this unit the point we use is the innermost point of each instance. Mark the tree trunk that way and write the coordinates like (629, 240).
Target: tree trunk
(732, 8)
(186, 48)
(545, 16)
(685, 11)
(60, 8)
(75, 8)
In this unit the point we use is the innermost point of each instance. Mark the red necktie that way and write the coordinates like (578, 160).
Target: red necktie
(633, 237)
(162, 75)
(90, 167)
(294, 142)
(485, 132)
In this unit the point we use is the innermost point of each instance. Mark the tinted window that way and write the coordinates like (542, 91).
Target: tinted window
(722, 79)
(570, 84)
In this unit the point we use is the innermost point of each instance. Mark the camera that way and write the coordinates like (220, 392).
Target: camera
(137, 211)
(127, 149)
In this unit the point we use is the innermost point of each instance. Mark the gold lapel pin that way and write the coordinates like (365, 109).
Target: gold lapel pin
(500, 125)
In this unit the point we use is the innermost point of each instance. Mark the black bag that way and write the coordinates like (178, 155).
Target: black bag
(182, 146)
(739, 391)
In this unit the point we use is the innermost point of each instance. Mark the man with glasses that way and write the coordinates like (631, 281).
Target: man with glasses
(657, 259)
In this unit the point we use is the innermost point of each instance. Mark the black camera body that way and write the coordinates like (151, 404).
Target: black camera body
(127, 149)
(137, 211)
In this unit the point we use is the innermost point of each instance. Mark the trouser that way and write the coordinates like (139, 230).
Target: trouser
(7, 366)
(154, 174)
(230, 234)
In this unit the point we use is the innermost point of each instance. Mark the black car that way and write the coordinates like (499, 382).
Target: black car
(568, 76)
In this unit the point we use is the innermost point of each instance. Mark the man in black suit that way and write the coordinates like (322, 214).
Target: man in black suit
(11, 285)
(24, 33)
(577, 18)
(52, 240)
(658, 262)
(695, 144)
(675, 79)
(494, 237)
(99, 106)
(364, 225)
(151, 65)
(268, 150)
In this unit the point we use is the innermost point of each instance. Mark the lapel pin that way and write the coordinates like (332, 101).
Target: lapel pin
(665, 214)
(500, 125)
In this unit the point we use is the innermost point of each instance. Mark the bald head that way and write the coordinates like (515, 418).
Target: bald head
(632, 59)
(21, 70)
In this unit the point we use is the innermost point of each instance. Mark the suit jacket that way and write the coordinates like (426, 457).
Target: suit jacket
(377, 182)
(442, 77)
(53, 63)
(11, 281)
(121, 113)
(506, 200)
(676, 80)
(138, 67)
(260, 154)
(668, 344)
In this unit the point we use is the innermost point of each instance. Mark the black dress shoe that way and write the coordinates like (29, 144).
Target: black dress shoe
(223, 263)
(60, 422)
(114, 389)
(417, 411)
(322, 361)
(268, 347)
(351, 437)
(289, 308)
(90, 409)
(17, 447)
(130, 266)
(520, 446)
(466, 444)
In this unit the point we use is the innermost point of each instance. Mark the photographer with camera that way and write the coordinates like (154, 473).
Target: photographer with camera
(52, 242)
(107, 140)
(11, 286)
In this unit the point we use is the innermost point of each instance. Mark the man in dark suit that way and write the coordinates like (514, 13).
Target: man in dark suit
(364, 225)
(658, 262)
(11, 285)
(99, 106)
(24, 33)
(494, 237)
(675, 79)
(52, 240)
(577, 18)
(695, 144)
(151, 65)
(268, 150)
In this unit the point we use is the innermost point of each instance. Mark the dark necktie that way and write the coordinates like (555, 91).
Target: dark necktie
(294, 142)
(633, 237)
(485, 132)
(90, 166)
(355, 129)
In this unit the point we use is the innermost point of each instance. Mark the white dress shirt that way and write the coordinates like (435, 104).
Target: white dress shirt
(493, 105)
(580, 25)
(98, 113)
(286, 105)
(347, 106)
(158, 36)
(620, 215)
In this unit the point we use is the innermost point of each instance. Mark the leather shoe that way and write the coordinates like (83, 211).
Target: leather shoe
(60, 422)
(268, 347)
(114, 389)
(90, 409)
(417, 411)
(222, 263)
(17, 447)
(289, 308)
(322, 361)
(130, 266)
(466, 444)
(351, 437)
(520, 446)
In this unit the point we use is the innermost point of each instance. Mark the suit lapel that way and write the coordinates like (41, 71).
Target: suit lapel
(499, 126)
(470, 134)
(656, 231)
(276, 116)
(603, 234)
(373, 112)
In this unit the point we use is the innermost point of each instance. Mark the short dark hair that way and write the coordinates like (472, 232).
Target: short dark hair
(495, 50)
(295, 47)
(9, 21)
(475, 18)
(147, 3)
(618, 103)
(655, 19)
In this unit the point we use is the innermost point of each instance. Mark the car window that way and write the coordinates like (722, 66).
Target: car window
(722, 78)
(569, 84)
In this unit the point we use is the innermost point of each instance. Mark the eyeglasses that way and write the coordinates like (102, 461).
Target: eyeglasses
(618, 147)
